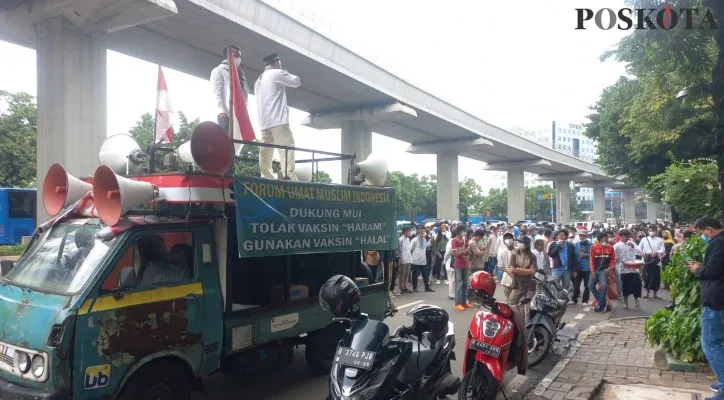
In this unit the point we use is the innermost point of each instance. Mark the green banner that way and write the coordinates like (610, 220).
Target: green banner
(276, 217)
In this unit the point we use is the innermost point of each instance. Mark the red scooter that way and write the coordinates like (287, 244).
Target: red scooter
(497, 341)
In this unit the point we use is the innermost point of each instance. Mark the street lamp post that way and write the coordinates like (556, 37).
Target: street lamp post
(717, 92)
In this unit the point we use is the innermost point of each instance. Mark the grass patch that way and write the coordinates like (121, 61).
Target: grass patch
(11, 250)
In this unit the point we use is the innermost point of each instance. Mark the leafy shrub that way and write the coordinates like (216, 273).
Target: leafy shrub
(679, 331)
(11, 250)
(690, 186)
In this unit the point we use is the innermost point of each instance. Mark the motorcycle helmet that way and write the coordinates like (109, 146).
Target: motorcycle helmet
(429, 318)
(482, 285)
(338, 295)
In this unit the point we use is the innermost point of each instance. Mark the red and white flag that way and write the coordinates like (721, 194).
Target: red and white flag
(163, 129)
(242, 129)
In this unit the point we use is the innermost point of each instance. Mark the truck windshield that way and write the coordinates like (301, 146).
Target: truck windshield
(61, 260)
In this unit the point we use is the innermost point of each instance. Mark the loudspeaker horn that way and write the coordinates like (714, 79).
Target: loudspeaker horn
(210, 148)
(114, 195)
(61, 189)
(122, 154)
(304, 171)
(374, 170)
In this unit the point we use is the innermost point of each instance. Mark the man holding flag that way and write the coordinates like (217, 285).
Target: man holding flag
(271, 99)
(231, 91)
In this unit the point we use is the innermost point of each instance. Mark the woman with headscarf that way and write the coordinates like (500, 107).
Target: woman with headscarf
(668, 245)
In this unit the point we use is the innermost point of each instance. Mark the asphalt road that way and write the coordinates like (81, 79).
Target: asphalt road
(297, 382)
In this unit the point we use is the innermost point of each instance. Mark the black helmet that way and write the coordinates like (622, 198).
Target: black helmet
(429, 318)
(338, 295)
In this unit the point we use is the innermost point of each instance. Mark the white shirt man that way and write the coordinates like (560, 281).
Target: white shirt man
(271, 99)
(652, 244)
(221, 88)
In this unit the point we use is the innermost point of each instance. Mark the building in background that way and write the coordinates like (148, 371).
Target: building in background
(565, 137)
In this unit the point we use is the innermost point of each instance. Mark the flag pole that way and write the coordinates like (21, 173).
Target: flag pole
(229, 115)
(155, 113)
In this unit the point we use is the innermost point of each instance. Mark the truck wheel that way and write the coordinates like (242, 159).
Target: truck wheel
(160, 380)
(321, 346)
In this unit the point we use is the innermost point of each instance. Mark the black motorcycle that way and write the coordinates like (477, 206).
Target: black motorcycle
(546, 312)
(413, 363)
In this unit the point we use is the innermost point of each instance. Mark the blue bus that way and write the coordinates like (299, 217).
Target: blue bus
(17, 214)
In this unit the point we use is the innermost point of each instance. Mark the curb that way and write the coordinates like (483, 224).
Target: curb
(563, 363)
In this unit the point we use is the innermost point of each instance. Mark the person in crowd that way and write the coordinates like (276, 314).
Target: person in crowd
(505, 254)
(603, 259)
(221, 86)
(460, 251)
(372, 259)
(685, 235)
(565, 259)
(582, 274)
(653, 250)
(447, 260)
(271, 99)
(540, 256)
(478, 251)
(439, 245)
(626, 251)
(403, 272)
(418, 248)
(710, 275)
(493, 250)
(522, 267)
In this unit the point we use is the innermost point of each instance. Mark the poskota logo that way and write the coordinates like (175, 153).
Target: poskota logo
(666, 18)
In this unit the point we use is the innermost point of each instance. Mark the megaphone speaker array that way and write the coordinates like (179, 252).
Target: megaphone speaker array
(114, 195)
(210, 148)
(61, 189)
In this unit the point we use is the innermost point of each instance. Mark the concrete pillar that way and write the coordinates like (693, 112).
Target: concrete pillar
(652, 211)
(448, 187)
(71, 68)
(599, 204)
(356, 139)
(563, 202)
(516, 195)
(629, 206)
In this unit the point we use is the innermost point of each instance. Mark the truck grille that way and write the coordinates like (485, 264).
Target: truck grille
(4, 358)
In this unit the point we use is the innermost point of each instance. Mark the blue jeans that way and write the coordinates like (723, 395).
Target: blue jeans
(461, 285)
(712, 342)
(599, 277)
(563, 277)
(492, 262)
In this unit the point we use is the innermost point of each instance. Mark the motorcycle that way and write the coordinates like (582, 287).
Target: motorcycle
(412, 363)
(546, 311)
(496, 343)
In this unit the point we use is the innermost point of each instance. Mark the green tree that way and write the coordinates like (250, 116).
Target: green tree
(142, 132)
(641, 115)
(496, 202)
(185, 128)
(322, 177)
(471, 198)
(539, 209)
(18, 139)
(691, 187)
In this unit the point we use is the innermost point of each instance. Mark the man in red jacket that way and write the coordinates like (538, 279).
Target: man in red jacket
(603, 259)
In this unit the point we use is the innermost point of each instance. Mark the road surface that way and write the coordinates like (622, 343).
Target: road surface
(297, 382)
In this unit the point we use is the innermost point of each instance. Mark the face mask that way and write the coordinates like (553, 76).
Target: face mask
(508, 242)
(237, 61)
(584, 241)
(705, 239)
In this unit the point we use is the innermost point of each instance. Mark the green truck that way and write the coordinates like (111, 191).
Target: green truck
(212, 276)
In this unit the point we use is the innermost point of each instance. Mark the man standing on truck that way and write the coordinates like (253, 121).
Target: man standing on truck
(271, 100)
(221, 87)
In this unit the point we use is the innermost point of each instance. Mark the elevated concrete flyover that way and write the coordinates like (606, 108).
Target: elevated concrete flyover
(339, 88)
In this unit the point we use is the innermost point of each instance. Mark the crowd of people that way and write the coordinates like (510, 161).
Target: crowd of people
(597, 263)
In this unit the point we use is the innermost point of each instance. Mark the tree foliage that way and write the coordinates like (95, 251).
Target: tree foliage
(641, 115)
(18, 139)
(689, 186)
(322, 177)
(679, 331)
(471, 198)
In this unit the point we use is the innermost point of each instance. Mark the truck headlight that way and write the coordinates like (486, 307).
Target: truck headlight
(38, 366)
(22, 361)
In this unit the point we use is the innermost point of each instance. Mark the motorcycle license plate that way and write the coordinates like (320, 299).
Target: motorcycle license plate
(485, 348)
(546, 300)
(354, 358)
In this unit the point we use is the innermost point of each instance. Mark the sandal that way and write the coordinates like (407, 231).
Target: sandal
(647, 297)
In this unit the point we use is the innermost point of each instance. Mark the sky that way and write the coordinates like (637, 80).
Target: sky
(516, 63)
